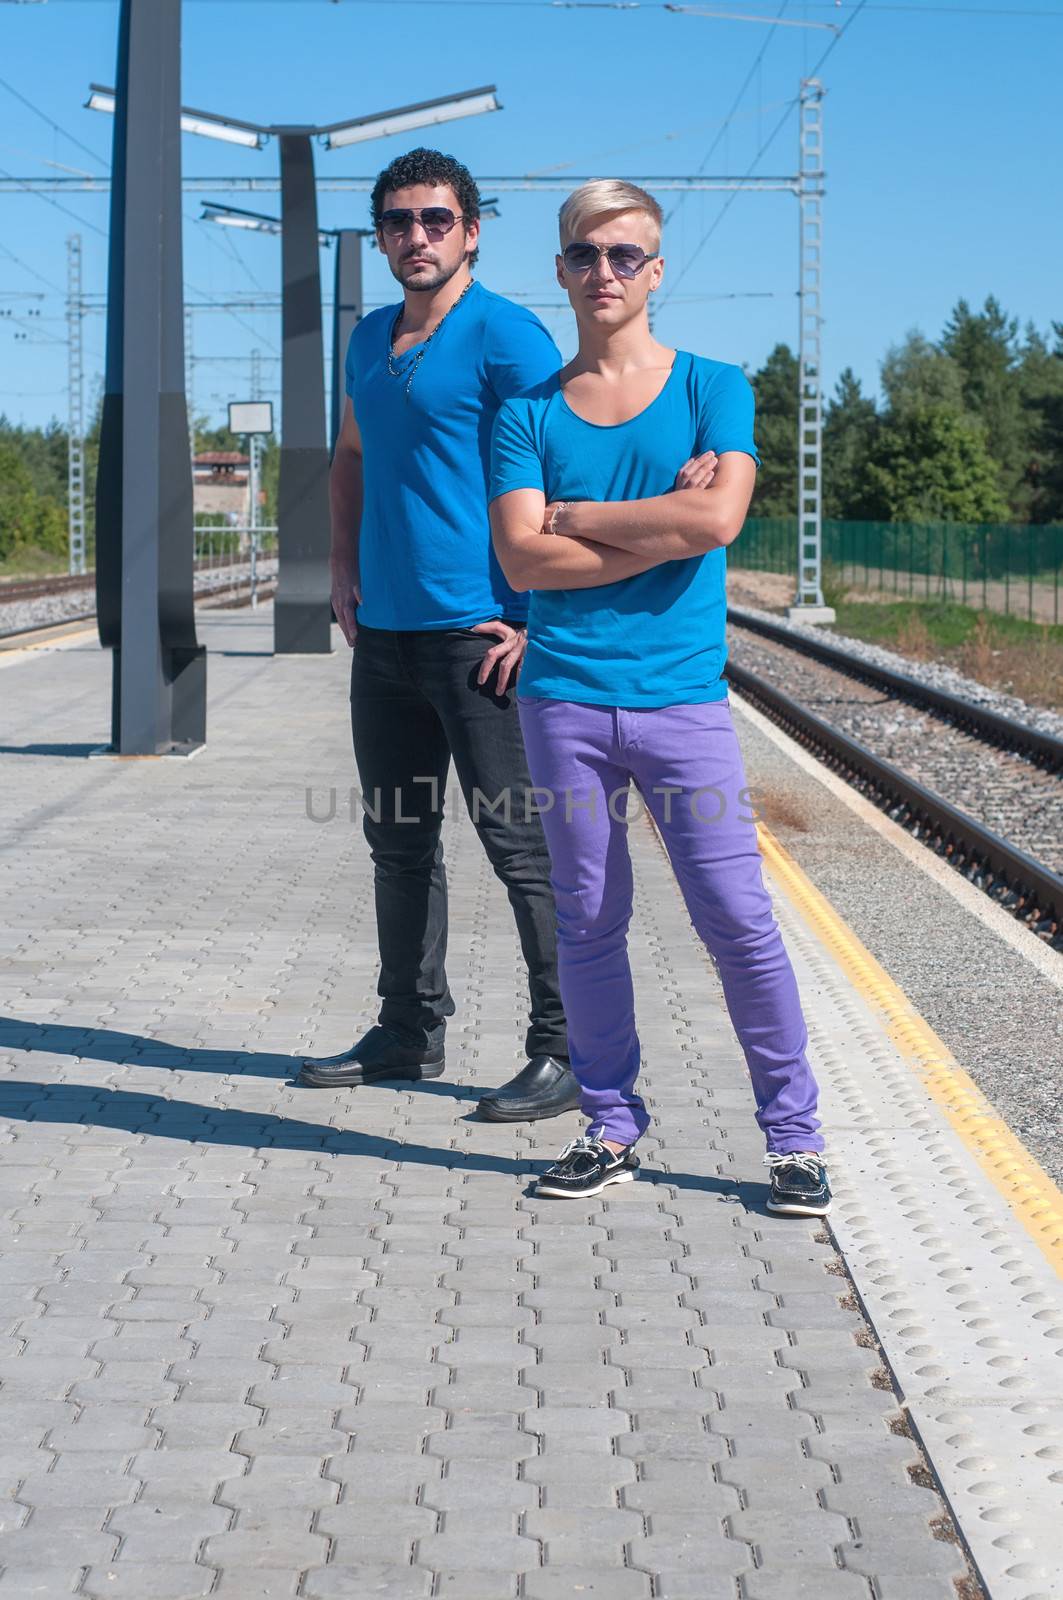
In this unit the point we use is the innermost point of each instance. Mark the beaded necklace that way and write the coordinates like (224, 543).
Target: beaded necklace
(410, 369)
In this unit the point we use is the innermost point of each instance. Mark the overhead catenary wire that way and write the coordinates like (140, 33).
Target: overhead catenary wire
(664, 5)
(230, 245)
(730, 117)
(53, 124)
(212, 299)
(743, 16)
(31, 327)
(209, 234)
(39, 194)
(765, 146)
(44, 161)
(657, 138)
(51, 284)
(1029, 13)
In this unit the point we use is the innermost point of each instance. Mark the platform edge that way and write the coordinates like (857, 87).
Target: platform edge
(1014, 1172)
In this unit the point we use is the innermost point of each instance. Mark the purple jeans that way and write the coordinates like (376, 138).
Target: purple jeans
(687, 768)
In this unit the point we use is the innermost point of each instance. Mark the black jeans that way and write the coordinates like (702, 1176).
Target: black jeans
(415, 702)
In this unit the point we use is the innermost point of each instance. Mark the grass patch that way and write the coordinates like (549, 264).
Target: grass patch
(1008, 653)
(947, 625)
(29, 562)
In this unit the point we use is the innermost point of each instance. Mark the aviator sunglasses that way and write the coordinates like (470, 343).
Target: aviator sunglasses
(436, 221)
(626, 260)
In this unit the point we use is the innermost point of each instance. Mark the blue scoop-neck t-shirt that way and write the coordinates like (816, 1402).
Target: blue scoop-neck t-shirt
(424, 550)
(657, 638)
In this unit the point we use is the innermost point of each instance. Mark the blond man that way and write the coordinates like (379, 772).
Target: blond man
(622, 682)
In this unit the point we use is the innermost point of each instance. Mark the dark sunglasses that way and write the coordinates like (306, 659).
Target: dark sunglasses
(626, 260)
(436, 221)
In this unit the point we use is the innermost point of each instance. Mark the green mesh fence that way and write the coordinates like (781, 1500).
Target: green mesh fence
(1012, 568)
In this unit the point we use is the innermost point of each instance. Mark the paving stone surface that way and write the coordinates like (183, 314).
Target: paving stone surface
(261, 1341)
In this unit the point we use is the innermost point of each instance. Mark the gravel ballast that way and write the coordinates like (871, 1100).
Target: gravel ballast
(1003, 790)
(933, 673)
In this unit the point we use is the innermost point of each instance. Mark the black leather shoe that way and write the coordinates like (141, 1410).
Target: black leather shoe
(377, 1057)
(544, 1088)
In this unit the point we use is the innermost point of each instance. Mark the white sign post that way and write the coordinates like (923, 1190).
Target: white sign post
(255, 419)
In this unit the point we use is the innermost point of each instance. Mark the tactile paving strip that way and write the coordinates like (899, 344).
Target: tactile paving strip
(968, 1310)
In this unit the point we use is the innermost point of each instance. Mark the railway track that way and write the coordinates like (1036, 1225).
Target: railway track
(988, 725)
(219, 599)
(40, 588)
(60, 583)
(1002, 768)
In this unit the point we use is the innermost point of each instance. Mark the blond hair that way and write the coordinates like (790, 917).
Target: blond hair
(606, 197)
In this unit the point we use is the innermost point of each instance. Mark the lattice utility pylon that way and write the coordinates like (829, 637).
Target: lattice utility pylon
(75, 453)
(810, 391)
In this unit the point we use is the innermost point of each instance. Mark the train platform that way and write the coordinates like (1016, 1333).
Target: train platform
(262, 1341)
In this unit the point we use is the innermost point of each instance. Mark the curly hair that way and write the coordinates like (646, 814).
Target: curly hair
(429, 167)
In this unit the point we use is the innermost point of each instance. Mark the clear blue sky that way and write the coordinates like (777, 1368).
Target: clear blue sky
(942, 151)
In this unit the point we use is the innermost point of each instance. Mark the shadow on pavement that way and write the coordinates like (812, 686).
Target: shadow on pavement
(81, 751)
(138, 1113)
(143, 1113)
(141, 1050)
(135, 1049)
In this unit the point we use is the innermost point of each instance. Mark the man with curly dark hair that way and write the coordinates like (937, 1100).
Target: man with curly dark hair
(418, 592)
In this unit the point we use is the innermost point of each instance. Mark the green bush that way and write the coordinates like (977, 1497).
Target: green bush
(28, 520)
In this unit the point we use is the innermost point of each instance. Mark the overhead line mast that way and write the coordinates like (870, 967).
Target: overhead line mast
(810, 606)
(75, 460)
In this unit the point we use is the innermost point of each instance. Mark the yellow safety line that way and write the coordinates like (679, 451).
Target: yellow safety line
(1019, 1177)
(42, 644)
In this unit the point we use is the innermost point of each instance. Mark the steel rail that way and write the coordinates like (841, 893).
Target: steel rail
(266, 589)
(1031, 891)
(1044, 748)
(39, 588)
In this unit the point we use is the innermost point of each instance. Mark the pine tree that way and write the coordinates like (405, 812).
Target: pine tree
(1041, 383)
(984, 346)
(849, 430)
(775, 387)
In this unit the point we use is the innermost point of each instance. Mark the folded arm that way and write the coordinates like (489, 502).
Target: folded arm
(668, 527)
(531, 560)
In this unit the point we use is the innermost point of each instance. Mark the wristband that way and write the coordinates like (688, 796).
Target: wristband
(562, 505)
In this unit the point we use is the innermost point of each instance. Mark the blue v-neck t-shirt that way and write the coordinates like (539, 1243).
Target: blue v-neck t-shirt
(657, 638)
(424, 550)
